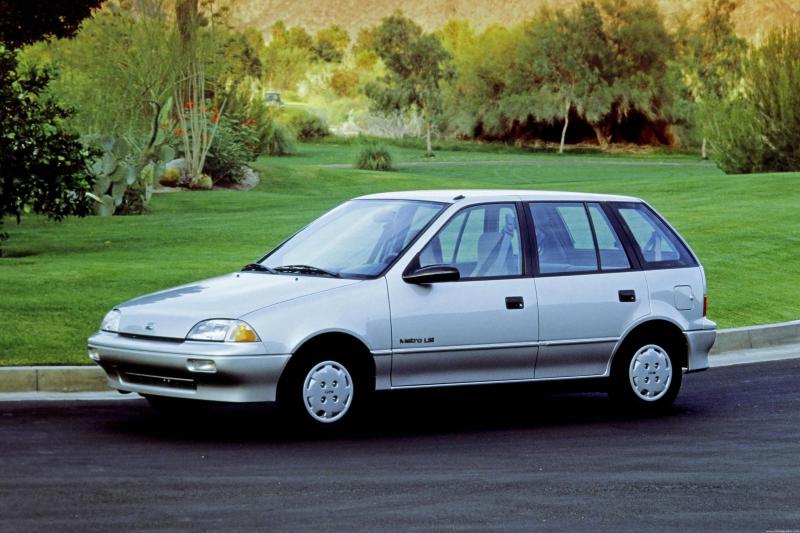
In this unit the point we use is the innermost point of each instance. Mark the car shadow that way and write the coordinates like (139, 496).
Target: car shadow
(399, 413)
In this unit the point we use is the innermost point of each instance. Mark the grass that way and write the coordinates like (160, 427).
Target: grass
(60, 278)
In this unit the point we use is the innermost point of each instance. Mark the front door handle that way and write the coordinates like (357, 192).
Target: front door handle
(627, 296)
(515, 302)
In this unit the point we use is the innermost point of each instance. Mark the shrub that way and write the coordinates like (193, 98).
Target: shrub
(248, 105)
(43, 167)
(171, 177)
(737, 145)
(235, 143)
(278, 140)
(374, 157)
(306, 126)
(344, 83)
(760, 130)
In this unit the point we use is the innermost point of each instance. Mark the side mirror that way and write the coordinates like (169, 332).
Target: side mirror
(432, 274)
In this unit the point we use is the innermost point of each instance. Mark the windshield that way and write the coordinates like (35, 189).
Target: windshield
(359, 238)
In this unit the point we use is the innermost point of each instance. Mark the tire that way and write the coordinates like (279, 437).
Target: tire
(645, 376)
(324, 392)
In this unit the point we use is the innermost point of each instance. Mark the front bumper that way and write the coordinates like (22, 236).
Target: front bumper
(699, 343)
(161, 368)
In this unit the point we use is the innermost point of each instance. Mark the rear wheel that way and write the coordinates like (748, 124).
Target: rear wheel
(645, 376)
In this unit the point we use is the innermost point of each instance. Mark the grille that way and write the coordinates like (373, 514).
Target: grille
(158, 381)
(151, 338)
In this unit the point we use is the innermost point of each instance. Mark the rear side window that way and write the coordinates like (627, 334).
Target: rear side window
(657, 244)
(573, 237)
(612, 253)
(564, 241)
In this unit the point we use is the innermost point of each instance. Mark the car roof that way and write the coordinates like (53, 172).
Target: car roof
(493, 195)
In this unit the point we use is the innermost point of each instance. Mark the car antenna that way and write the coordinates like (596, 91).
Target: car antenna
(459, 197)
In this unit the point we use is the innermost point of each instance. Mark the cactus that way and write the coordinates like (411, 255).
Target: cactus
(105, 207)
(125, 173)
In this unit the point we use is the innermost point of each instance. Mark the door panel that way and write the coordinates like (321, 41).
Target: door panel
(588, 295)
(481, 328)
(459, 332)
(581, 318)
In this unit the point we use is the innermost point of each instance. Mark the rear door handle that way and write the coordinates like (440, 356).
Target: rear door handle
(627, 296)
(515, 302)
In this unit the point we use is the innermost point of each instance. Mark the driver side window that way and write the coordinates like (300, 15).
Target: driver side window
(481, 242)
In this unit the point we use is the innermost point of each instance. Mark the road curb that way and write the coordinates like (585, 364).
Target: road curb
(92, 378)
(52, 379)
(745, 338)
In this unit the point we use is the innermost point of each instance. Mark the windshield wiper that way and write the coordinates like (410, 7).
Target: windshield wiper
(258, 267)
(306, 269)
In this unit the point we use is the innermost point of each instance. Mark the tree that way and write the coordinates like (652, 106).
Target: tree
(568, 56)
(287, 56)
(713, 56)
(363, 49)
(415, 64)
(43, 168)
(27, 21)
(639, 66)
(331, 43)
(120, 67)
(483, 64)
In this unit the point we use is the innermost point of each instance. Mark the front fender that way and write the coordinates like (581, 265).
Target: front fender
(360, 310)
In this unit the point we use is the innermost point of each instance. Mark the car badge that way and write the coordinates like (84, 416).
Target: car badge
(150, 326)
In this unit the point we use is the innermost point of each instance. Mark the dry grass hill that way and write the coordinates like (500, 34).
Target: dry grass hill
(752, 18)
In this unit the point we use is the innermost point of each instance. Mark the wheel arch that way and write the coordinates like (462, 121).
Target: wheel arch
(656, 327)
(325, 341)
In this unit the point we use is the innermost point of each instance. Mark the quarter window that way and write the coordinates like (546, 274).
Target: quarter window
(658, 246)
(481, 241)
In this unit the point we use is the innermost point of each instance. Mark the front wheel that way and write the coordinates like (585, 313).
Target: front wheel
(644, 376)
(324, 391)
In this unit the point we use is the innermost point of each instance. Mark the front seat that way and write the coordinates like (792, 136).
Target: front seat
(495, 255)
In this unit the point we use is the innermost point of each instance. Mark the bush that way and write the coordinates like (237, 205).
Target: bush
(43, 167)
(236, 142)
(737, 145)
(278, 140)
(344, 83)
(374, 157)
(306, 126)
(760, 130)
(273, 137)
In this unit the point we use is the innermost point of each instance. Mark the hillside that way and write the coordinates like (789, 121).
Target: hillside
(752, 18)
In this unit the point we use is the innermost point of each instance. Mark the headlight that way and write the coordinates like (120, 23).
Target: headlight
(111, 321)
(222, 330)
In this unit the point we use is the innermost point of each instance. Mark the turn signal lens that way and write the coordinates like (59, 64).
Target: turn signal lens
(244, 333)
(705, 304)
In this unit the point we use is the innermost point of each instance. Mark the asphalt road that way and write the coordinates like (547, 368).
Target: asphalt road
(727, 457)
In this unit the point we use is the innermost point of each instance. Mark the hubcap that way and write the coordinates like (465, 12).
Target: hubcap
(650, 372)
(328, 391)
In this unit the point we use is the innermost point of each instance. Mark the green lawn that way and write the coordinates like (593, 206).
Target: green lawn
(61, 278)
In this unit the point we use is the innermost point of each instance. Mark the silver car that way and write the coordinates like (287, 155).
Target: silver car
(427, 289)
